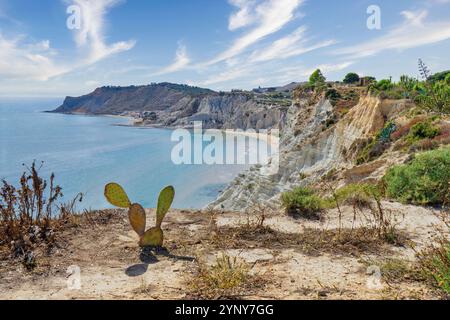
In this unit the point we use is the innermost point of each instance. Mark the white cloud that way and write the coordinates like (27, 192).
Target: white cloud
(413, 32)
(91, 36)
(271, 16)
(227, 75)
(20, 59)
(181, 61)
(277, 74)
(244, 16)
(24, 60)
(292, 45)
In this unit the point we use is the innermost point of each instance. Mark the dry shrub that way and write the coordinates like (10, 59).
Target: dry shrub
(228, 278)
(31, 214)
(311, 241)
(366, 202)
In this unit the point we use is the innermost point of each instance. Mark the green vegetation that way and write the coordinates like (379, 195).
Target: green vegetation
(333, 95)
(408, 86)
(355, 194)
(440, 76)
(424, 181)
(383, 85)
(423, 130)
(351, 78)
(153, 237)
(432, 94)
(376, 145)
(302, 202)
(434, 97)
(317, 80)
(447, 79)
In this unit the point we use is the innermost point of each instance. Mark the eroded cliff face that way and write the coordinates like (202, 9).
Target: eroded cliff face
(227, 111)
(171, 105)
(308, 151)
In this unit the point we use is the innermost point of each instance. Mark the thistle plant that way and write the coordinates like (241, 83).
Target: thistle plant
(153, 237)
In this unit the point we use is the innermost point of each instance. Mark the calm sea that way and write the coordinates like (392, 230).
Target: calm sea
(85, 153)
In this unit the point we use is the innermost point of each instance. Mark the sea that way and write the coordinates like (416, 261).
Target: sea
(87, 152)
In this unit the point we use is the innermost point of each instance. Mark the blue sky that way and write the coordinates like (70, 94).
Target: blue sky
(220, 44)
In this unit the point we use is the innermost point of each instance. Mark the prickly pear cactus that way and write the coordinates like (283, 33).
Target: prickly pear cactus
(115, 194)
(153, 237)
(165, 201)
(137, 217)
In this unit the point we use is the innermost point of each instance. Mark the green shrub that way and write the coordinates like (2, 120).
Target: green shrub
(355, 194)
(384, 85)
(424, 181)
(435, 97)
(333, 95)
(422, 130)
(302, 202)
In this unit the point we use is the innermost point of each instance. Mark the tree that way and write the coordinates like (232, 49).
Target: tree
(317, 78)
(351, 78)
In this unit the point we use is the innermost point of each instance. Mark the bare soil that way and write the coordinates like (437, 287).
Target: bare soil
(288, 258)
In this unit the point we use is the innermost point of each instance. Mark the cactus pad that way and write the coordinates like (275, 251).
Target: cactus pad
(115, 195)
(137, 218)
(164, 202)
(154, 237)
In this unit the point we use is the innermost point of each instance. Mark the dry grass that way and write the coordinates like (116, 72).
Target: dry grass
(228, 278)
(315, 242)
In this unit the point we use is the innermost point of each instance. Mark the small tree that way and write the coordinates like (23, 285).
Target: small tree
(317, 78)
(351, 78)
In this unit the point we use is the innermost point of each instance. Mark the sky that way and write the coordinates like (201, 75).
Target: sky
(57, 48)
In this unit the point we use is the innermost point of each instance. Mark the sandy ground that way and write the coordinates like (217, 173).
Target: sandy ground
(100, 259)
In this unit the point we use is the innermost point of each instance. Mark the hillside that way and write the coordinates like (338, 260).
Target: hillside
(173, 105)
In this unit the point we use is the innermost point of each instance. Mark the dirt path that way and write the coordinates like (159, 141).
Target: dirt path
(285, 254)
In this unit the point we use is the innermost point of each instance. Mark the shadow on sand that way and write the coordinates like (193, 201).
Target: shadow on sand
(149, 256)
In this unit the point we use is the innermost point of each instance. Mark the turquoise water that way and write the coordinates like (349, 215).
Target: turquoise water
(85, 153)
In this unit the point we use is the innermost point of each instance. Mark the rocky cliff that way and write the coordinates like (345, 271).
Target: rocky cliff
(172, 105)
(310, 148)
